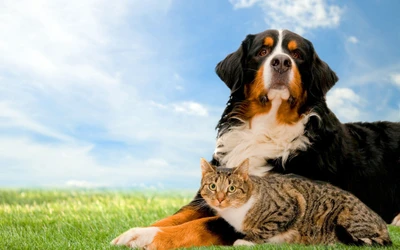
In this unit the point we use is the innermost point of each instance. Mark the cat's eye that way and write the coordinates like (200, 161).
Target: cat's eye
(212, 187)
(231, 189)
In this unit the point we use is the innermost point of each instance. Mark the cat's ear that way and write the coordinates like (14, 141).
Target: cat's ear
(206, 167)
(243, 169)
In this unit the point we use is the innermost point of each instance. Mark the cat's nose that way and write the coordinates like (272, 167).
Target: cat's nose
(220, 197)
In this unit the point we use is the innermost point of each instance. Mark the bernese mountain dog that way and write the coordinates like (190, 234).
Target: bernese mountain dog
(277, 117)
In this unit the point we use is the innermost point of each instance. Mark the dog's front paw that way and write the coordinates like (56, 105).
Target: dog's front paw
(137, 237)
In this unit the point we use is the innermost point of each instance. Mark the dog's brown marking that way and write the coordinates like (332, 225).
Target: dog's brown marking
(256, 101)
(292, 45)
(288, 112)
(190, 234)
(182, 216)
(268, 41)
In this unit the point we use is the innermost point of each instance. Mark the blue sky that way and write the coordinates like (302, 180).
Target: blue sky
(123, 94)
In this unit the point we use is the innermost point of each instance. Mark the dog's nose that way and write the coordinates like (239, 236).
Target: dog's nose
(281, 63)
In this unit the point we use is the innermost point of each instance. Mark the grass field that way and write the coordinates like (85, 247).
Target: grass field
(33, 219)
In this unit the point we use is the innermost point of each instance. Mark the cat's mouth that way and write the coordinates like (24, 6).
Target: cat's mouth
(220, 205)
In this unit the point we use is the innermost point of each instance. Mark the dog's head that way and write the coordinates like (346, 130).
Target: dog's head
(276, 64)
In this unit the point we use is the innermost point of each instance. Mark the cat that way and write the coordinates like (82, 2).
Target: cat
(289, 209)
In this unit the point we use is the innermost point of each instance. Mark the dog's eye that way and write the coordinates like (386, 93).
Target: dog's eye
(264, 51)
(295, 54)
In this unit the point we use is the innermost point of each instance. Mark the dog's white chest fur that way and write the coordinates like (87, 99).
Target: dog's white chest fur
(264, 139)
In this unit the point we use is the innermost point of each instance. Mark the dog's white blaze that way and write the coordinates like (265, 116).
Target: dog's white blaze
(268, 70)
(265, 139)
(235, 216)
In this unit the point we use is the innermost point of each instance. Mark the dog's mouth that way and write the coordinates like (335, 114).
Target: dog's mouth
(278, 88)
(281, 92)
(278, 95)
(278, 85)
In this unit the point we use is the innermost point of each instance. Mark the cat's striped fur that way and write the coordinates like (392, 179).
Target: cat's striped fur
(289, 208)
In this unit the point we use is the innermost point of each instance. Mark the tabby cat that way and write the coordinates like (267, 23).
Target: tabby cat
(289, 209)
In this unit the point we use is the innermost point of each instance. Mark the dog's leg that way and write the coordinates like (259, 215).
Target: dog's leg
(193, 225)
(396, 221)
(201, 232)
(140, 237)
(185, 214)
(196, 209)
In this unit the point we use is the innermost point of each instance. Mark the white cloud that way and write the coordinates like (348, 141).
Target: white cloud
(158, 105)
(64, 52)
(191, 108)
(352, 39)
(238, 4)
(47, 39)
(12, 118)
(74, 165)
(78, 73)
(345, 103)
(157, 162)
(299, 16)
(395, 78)
(40, 160)
(343, 94)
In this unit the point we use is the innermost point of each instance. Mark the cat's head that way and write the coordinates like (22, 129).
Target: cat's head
(225, 187)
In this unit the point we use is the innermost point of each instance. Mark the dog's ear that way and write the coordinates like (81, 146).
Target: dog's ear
(322, 77)
(230, 70)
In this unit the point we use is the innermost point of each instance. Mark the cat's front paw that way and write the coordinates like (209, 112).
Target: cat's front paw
(243, 243)
(396, 221)
(137, 237)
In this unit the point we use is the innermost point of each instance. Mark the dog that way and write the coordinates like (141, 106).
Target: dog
(277, 117)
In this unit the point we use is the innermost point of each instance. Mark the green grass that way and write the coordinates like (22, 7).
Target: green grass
(34, 219)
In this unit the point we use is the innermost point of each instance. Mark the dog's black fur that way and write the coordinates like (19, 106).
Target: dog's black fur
(363, 158)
